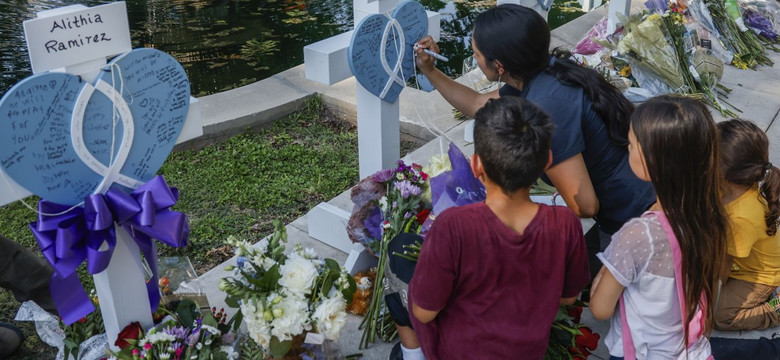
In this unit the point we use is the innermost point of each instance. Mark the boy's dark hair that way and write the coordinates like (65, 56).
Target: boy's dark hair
(512, 139)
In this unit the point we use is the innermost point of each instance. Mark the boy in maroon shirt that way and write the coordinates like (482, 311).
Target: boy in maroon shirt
(491, 275)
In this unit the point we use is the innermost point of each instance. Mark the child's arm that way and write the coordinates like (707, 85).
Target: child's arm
(605, 293)
(424, 316)
(576, 275)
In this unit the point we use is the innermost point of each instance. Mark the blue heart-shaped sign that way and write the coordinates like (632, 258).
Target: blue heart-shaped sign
(57, 130)
(381, 55)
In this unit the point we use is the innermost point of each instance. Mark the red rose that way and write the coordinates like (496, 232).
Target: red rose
(575, 312)
(586, 342)
(130, 332)
(422, 215)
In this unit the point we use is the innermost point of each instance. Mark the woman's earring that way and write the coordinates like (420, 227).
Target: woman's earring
(499, 82)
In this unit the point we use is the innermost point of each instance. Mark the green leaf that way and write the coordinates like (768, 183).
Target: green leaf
(327, 284)
(237, 319)
(232, 301)
(333, 265)
(209, 320)
(186, 311)
(279, 348)
(349, 292)
(125, 354)
(270, 280)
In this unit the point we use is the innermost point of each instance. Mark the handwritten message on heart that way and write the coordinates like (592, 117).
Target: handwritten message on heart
(59, 129)
(381, 55)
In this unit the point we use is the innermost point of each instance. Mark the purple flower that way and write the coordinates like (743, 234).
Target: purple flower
(229, 338)
(179, 332)
(373, 223)
(407, 188)
(407, 215)
(193, 339)
(657, 5)
(383, 175)
(759, 23)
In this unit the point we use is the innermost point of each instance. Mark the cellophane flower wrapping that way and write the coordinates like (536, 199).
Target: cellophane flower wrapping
(587, 46)
(50, 331)
(645, 43)
(455, 187)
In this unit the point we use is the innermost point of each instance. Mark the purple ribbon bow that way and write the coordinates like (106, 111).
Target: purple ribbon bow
(67, 239)
(146, 215)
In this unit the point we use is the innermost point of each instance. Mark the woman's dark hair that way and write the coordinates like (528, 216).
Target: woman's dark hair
(679, 141)
(519, 39)
(744, 159)
(512, 138)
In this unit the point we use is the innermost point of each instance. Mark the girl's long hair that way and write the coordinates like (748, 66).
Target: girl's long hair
(519, 38)
(744, 159)
(679, 141)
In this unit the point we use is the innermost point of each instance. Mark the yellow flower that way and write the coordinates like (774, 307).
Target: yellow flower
(739, 63)
(625, 71)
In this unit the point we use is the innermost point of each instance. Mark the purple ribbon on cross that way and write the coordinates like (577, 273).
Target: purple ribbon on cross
(68, 239)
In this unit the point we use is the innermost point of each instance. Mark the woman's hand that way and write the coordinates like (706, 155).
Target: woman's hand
(425, 61)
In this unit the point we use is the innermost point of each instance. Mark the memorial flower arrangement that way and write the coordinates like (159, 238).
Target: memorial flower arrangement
(386, 204)
(282, 296)
(372, 218)
(666, 46)
(681, 47)
(186, 333)
(568, 338)
(748, 49)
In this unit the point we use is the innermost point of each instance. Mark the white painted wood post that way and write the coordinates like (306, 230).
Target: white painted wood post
(378, 122)
(533, 4)
(121, 288)
(615, 7)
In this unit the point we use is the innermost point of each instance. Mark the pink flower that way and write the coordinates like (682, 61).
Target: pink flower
(147, 346)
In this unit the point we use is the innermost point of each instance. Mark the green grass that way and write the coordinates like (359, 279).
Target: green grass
(237, 187)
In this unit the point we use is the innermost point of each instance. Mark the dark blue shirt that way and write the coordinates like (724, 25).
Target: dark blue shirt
(579, 129)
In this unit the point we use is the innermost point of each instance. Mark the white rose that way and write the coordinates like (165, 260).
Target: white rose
(293, 319)
(330, 316)
(298, 275)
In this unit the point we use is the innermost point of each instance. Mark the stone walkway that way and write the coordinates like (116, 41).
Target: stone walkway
(756, 93)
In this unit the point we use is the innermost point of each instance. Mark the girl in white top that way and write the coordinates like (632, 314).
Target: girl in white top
(673, 144)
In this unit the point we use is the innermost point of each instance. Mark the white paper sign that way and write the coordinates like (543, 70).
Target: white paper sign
(71, 38)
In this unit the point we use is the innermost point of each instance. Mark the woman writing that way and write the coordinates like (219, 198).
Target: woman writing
(590, 160)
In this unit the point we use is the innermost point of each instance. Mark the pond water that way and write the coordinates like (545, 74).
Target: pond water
(223, 44)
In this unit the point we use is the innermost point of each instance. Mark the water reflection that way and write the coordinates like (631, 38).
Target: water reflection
(223, 44)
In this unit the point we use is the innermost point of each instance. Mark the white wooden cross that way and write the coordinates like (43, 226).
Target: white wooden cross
(121, 287)
(377, 120)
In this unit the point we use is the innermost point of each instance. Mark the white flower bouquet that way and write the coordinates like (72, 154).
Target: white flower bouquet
(282, 296)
